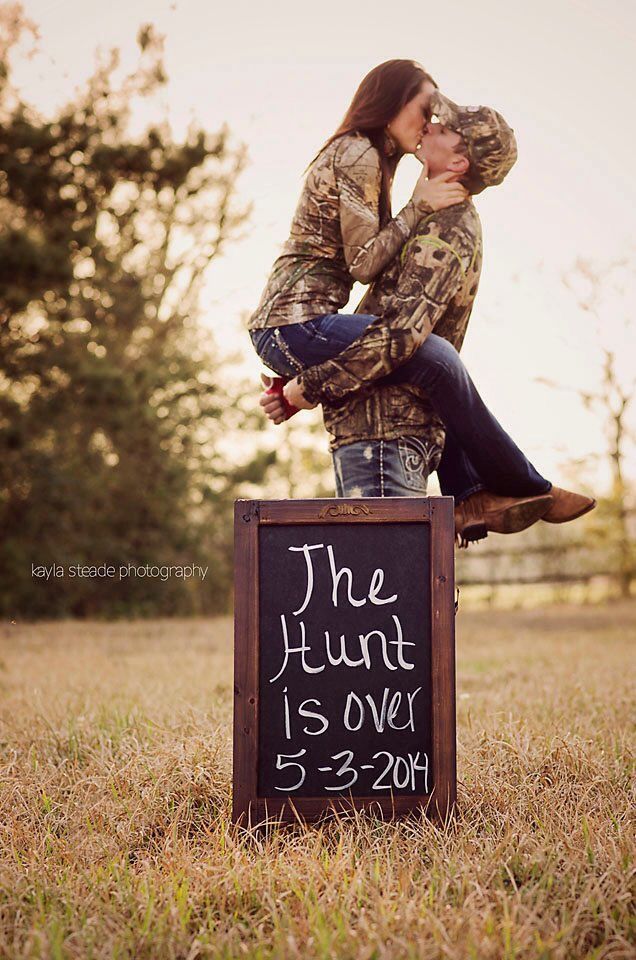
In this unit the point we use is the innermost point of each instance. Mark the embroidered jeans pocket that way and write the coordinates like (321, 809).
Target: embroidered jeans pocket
(418, 459)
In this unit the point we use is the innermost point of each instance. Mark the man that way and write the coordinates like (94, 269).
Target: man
(386, 436)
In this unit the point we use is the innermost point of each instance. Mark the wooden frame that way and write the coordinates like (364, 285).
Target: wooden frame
(249, 515)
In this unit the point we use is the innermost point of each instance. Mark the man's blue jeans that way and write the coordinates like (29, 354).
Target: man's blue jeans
(478, 453)
(384, 468)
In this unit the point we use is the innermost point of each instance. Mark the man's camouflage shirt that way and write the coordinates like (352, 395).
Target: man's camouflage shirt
(430, 286)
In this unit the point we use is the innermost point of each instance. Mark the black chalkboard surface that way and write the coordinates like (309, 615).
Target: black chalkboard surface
(344, 656)
(352, 711)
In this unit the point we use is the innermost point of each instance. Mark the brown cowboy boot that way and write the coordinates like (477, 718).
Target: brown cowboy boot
(567, 506)
(485, 512)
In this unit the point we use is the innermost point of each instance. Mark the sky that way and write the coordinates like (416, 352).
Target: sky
(281, 76)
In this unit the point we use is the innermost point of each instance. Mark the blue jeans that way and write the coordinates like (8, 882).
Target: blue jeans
(478, 453)
(384, 468)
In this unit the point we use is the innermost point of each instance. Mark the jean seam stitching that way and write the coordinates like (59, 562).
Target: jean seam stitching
(269, 353)
(280, 341)
(317, 333)
(381, 468)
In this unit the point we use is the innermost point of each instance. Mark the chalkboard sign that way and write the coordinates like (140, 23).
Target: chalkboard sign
(344, 657)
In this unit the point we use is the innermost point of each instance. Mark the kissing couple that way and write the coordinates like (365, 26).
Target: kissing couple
(397, 400)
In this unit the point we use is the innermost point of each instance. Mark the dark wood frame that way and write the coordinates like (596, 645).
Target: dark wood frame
(248, 808)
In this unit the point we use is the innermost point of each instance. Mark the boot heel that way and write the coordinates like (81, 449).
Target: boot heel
(472, 532)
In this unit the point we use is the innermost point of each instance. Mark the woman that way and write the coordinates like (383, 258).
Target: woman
(342, 231)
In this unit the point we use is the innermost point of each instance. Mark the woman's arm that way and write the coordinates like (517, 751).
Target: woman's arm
(358, 175)
(367, 248)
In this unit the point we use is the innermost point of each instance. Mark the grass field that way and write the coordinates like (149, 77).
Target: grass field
(115, 745)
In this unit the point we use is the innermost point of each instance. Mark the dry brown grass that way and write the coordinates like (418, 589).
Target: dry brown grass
(114, 841)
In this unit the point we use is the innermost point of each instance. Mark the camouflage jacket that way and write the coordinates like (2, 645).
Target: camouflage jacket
(335, 236)
(431, 286)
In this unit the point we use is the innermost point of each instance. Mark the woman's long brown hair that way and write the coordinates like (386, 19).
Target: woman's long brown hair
(381, 95)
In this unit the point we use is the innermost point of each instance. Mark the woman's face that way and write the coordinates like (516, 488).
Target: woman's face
(407, 127)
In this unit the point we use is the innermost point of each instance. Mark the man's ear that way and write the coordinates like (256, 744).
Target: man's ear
(458, 164)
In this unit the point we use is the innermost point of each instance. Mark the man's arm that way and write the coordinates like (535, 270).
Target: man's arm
(431, 271)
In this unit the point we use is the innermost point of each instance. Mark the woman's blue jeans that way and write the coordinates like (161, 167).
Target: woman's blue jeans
(478, 453)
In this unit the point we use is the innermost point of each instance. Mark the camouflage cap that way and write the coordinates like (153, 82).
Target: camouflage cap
(491, 143)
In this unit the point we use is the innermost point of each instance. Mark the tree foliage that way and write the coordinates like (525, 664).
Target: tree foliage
(111, 404)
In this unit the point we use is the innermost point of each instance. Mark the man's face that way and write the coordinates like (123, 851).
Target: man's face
(439, 148)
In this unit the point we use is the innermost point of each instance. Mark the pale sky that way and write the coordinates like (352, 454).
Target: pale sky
(281, 75)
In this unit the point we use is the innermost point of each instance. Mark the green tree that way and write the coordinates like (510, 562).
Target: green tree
(110, 413)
